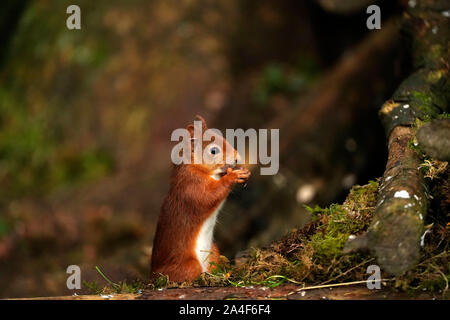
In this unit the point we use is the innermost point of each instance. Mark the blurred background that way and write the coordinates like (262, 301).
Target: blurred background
(86, 117)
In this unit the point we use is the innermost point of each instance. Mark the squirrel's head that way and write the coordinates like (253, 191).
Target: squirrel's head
(214, 151)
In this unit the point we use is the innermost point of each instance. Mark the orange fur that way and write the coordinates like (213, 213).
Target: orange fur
(193, 196)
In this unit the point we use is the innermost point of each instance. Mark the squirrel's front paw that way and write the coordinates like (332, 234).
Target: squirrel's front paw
(238, 175)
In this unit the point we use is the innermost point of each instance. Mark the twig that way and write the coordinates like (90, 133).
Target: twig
(338, 285)
(444, 253)
(445, 279)
(349, 270)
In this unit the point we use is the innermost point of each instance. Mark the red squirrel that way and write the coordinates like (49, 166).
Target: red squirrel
(183, 245)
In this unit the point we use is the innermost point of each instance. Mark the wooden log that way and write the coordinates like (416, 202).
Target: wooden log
(397, 226)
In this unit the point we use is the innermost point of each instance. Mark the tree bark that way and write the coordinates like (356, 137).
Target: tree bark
(397, 226)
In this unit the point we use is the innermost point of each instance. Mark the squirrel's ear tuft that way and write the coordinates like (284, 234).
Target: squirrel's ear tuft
(190, 128)
(200, 118)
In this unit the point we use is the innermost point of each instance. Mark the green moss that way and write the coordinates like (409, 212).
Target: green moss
(413, 145)
(328, 246)
(136, 286)
(344, 220)
(161, 282)
(93, 287)
(435, 75)
(425, 103)
(363, 195)
(444, 115)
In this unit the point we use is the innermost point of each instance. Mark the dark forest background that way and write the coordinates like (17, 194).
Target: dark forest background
(86, 117)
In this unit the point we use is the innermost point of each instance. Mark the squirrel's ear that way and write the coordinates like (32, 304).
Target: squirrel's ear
(190, 128)
(200, 118)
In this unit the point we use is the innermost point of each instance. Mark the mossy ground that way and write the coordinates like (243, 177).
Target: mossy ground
(313, 255)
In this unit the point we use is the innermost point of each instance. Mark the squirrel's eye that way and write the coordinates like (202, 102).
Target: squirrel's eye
(214, 150)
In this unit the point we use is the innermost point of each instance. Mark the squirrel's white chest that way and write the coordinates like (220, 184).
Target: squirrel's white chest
(205, 239)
